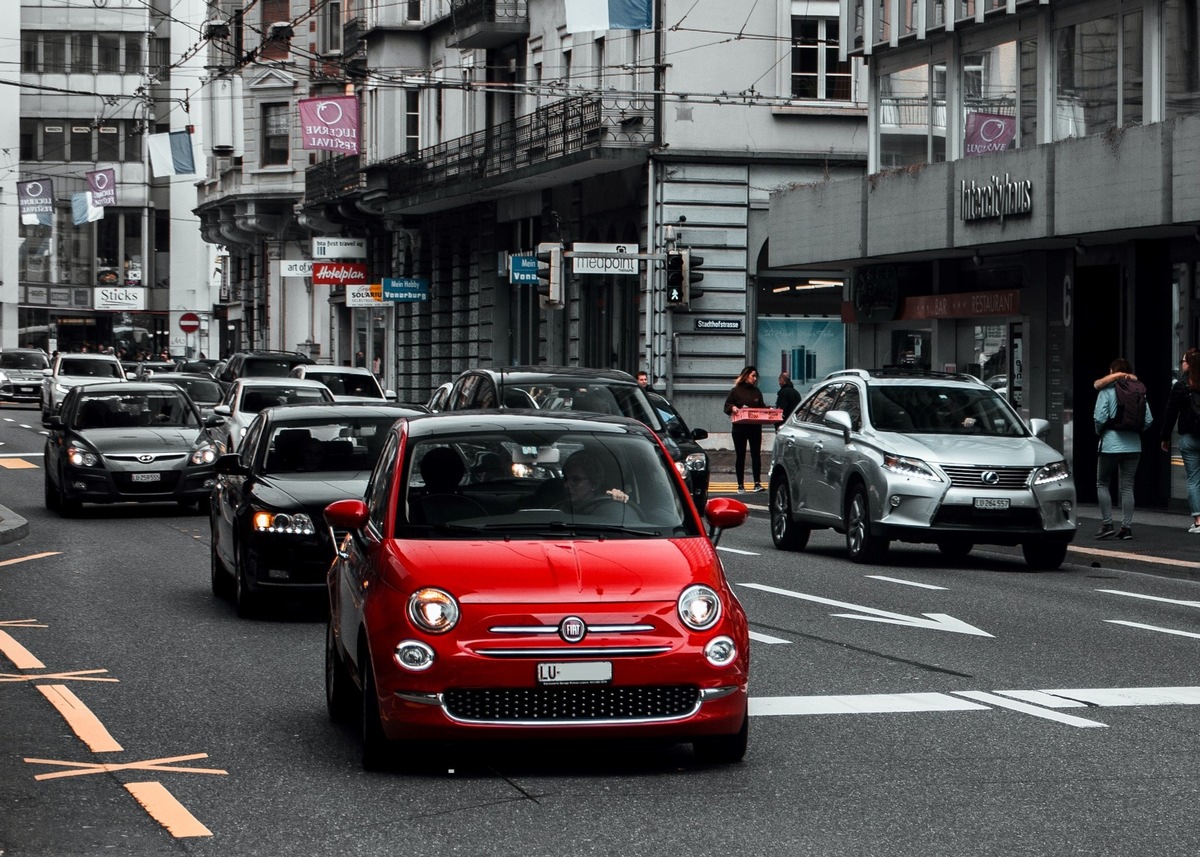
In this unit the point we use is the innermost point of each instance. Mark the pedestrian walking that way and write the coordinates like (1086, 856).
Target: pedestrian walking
(1121, 414)
(788, 397)
(745, 394)
(1183, 407)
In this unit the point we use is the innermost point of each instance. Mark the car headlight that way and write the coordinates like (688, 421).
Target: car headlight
(297, 523)
(433, 610)
(4, 379)
(205, 454)
(81, 457)
(699, 607)
(913, 468)
(1056, 472)
(697, 461)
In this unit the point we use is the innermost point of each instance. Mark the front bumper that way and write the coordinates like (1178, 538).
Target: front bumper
(282, 561)
(96, 485)
(20, 391)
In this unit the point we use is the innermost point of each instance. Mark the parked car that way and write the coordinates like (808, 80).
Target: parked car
(569, 388)
(127, 442)
(260, 363)
(437, 402)
(146, 368)
(202, 388)
(903, 455)
(521, 574)
(72, 370)
(347, 383)
(676, 433)
(246, 397)
(21, 374)
(268, 533)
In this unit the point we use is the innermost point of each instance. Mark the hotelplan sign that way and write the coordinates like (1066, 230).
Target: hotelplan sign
(998, 199)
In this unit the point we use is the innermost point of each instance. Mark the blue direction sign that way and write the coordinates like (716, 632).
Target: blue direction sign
(405, 289)
(523, 269)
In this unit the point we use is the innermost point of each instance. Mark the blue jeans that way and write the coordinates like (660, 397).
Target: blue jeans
(1125, 464)
(1189, 448)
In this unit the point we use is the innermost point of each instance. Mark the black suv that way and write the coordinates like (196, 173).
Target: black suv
(596, 391)
(261, 363)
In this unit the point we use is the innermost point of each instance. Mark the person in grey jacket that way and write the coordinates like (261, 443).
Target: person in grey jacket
(1119, 453)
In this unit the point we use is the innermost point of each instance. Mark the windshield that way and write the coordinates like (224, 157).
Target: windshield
(23, 360)
(540, 485)
(130, 410)
(347, 383)
(344, 445)
(90, 368)
(255, 399)
(926, 409)
(200, 389)
(622, 400)
(268, 367)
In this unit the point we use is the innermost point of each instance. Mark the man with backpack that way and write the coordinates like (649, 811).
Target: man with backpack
(1121, 415)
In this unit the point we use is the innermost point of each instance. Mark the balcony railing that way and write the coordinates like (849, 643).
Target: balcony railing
(560, 130)
(488, 23)
(334, 178)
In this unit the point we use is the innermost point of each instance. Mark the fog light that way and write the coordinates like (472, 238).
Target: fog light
(79, 486)
(894, 500)
(413, 655)
(720, 651)
(1067, 509)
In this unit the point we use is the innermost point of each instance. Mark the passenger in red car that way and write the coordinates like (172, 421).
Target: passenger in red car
(442, 470)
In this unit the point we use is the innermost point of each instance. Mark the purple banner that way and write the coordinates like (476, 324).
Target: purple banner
(36, 202)
(988, 132)
(103, 185)
(330, 124)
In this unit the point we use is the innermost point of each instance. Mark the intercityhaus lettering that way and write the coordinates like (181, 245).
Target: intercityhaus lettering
(1000, 198)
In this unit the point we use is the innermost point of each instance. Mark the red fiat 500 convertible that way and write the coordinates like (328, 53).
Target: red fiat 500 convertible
(520, 575)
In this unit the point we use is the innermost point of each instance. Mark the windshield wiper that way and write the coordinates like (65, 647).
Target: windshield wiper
(573, 526)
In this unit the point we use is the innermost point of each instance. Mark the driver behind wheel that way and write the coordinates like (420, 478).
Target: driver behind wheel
(583, 475)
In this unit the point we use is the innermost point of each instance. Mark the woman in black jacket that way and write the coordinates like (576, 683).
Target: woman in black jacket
(745, 394)
(1181, 406)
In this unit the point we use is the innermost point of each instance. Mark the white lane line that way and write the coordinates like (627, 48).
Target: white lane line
(735, 550)
(1116, 697)
(22, 454)
(759, 637)
(1026, 708)
(1154, 628)
(867, 703)
(905, 582)
(1151, 597)
(1042, 698)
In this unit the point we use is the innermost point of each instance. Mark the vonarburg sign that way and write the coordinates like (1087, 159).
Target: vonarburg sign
(997, 199)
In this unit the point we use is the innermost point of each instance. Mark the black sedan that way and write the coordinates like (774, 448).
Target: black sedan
(268, 533)
(127, 442)
(681, 441)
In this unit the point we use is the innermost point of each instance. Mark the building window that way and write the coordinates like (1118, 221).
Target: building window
(109, 53)
(109, 143)
(133, 55)
(414, 10)
(331, 27)
(29, 52)
(1181, 56)
(81, 141)
(276, 145)
(817, 74)
(412, 120)
(1098, 75)
(83, 55)
(54, 53)
(275, 12)
(912, 117)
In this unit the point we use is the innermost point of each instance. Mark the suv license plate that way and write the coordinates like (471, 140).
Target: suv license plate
(157, 477)
(991, 502)
(586, 672)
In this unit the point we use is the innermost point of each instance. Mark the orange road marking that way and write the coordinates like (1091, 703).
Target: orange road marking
(21, 657)
(83, 768)
(77, 675)
(1158, 560)
(27, 559)
(166, 810)
(17, 464)
(80, 718)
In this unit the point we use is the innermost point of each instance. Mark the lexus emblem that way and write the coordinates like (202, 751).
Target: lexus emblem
(145, 458)
(572, 629)
(989, 477)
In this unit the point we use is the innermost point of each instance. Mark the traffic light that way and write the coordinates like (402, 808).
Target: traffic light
(677, 293)
(681, 275)
(550, 274)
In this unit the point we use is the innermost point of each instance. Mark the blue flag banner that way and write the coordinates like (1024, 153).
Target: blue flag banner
(171, 154)
(585, 16)
(83, 209)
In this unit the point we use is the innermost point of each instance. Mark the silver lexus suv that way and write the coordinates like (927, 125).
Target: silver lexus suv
(897, 455)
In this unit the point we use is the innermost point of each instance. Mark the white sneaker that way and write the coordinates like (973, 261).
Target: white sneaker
(1194, 528)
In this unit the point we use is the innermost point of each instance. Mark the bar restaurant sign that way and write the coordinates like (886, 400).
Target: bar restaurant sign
(996, 200)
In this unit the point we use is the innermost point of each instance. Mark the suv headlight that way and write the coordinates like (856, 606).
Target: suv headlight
(1054, 472)
(913, 468)
(699, 607)
(433, 610)
(298, 524)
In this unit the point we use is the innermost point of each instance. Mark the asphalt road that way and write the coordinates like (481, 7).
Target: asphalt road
(920, 707)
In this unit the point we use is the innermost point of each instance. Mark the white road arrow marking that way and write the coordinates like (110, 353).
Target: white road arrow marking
(735, 550)
(1151, 597)
(905, 582)
(931, 622)
(759, 637)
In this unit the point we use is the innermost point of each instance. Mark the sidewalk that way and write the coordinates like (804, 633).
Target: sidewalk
(12, 526)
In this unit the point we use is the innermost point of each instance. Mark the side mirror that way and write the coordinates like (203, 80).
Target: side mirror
(56, 422)
(230, 464)
(839, 419)
(699, 434)
(724, 513)
(46, 373)
(222, 411)
(390, 395)
(213, 420)
(346, 514)
(1039, 427)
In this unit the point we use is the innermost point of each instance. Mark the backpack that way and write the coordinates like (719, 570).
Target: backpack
(1131, 406)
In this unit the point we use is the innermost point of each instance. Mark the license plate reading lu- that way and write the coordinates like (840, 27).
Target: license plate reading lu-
(147, 477)
(584, 672)
(991, 503)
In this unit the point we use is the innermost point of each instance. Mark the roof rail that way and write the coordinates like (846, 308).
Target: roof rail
(894, 370)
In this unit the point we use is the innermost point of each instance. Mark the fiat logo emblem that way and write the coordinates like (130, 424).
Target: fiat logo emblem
(572, 629)
(145, 458)
(989, 477)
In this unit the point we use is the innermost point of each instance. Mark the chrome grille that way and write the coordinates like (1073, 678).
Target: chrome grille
(971, 476)
(580, 703)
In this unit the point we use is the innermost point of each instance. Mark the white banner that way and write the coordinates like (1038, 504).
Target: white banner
(605, 266)
(339, 248)
(295, 268)
(368, 294)
(120, 298)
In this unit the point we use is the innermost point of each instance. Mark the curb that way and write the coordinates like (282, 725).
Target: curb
(12, 526)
